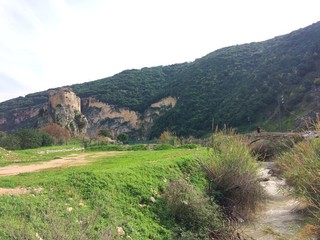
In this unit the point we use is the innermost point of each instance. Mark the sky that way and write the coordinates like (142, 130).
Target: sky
(53, 43)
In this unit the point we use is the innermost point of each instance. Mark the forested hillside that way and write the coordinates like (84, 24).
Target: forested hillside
(240, 86)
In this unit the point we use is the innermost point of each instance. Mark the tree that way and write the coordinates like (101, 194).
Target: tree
(104, 133)
(10, 142)
(122, 137)
(29, 138)
(165, 137)
(59, 134)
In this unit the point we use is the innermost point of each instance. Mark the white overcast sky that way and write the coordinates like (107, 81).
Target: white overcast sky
(51, 43)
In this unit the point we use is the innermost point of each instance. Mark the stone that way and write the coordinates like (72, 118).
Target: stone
(121, 232)
(69, 209)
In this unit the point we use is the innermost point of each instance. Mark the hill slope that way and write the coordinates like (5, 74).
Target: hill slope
(238, 85)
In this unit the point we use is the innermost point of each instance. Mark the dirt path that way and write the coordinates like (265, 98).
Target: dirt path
(279, 219)
(68, 161)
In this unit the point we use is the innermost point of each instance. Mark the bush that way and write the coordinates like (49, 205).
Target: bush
(108, 147)
(137, 147)
(264, 150)
(232, 174)
(163, 147)
(122, 137)
(26, 139)
(168, 138)
(301, 169)
(105, 133)
(59, 134)
(10, 142)
(196, 217)
(269, 146)
(188, 146)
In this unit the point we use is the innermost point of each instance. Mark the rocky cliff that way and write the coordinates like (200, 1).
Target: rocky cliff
(82, 116)
(123, 120)
(63, 107)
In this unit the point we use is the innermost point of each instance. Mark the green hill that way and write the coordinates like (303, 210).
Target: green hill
(240, 86)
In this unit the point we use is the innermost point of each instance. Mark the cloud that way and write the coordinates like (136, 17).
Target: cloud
(53, 43)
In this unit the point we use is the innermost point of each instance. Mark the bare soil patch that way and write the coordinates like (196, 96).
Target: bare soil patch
(280, 218)
(13, 191)
(68, 161)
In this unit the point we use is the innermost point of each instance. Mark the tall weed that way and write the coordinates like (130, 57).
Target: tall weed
(195, 215)
(302, 171)
(232, 173)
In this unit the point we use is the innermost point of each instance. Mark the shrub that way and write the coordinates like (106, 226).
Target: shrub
(47, 140)
(163, 147)
(188, 146)
(104, 133)
(301, 169)
(108, 147)
(196, 217)
(59, 134)
(137, 147)
(122, 137)
(26, 139)
(33, 138)
(10, 142)
(269, 146)
(232, 174)
(168, 138)
(264, 150)
(165, 137)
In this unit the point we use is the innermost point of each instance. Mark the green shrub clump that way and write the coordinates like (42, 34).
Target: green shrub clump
(301, 170)
(196, 217)
(138, 147)
(163, 147)
(26, 139)
(232, 174)
(189, 146)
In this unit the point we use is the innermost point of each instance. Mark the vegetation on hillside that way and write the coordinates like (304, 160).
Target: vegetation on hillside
(239, 86)
(26, 139)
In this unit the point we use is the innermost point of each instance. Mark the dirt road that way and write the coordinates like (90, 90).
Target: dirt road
(279, 219)
(68, 161)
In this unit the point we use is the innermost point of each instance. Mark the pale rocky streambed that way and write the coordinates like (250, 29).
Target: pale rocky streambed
(279, 218)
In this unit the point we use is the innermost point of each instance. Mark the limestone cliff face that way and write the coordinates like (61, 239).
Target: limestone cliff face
(64, 108)
(64, 97)
(21, 118)
(123, 120)
(82, 116)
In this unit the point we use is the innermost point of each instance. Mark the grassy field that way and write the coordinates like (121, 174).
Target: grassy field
(89, 202)
(37, 155)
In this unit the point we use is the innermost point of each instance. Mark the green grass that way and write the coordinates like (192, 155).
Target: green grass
(112, 189)
(301, 169)
(29, 156)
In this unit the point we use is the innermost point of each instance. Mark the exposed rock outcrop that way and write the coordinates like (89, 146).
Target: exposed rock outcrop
(123, 120)
(82, 116)
(64, 108)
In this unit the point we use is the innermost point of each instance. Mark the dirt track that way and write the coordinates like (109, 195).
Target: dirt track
(68, 161)
(280, 218)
